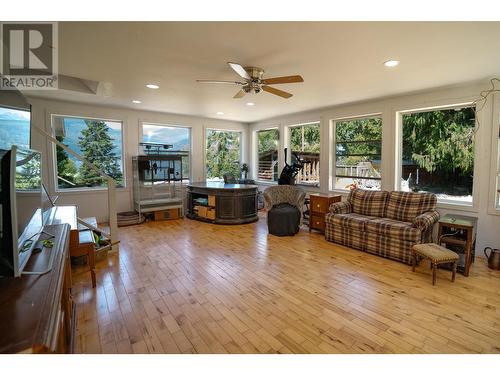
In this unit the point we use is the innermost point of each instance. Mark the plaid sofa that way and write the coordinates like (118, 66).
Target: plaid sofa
(383, 223)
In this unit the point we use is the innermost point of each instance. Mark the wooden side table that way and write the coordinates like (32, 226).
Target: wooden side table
(458, 233)
(318, 208)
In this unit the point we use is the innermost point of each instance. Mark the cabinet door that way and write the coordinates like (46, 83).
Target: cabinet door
(226, 207)
(248, 206)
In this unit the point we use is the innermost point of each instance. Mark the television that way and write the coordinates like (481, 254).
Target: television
(22, 207)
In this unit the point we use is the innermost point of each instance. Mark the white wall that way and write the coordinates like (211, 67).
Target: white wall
(485, 158)
(94, 203)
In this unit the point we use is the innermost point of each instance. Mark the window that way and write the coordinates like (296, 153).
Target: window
(98, 141)
(223, 154)
(438, 153)
(358, 150)
(267, 150)
(305, 142)
(14, 128)
(176, 136)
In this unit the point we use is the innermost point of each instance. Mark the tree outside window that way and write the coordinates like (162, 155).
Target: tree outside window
(223, 154)
(267, 151)
(438, 153)
(305, 141)
(98, 141)
(358, 153)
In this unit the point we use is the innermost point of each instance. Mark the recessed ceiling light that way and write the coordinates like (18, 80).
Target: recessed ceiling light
(250, 104)
(152, 86)
(136, 101)
(220, 113)
(391, 63)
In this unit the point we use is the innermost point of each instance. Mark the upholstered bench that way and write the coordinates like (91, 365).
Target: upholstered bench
(437, 255)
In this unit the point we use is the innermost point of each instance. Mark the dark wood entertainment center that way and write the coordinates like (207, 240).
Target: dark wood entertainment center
(221, 203)
(37, 313)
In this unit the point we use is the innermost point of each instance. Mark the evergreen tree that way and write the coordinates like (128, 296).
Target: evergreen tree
(97, 147)
(440, 140)
(223, 153)
(358, 140)
(66, 168)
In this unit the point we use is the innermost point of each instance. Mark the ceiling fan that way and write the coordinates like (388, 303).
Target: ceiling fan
(254, 81)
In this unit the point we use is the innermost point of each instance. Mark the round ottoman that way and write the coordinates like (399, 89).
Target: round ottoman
(283, 220)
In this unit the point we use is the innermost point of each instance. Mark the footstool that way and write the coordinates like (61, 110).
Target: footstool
(437, 255)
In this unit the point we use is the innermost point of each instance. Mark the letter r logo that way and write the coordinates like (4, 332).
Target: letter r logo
(27, 49)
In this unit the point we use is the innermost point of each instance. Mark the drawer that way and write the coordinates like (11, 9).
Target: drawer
(319, 204)
(317, 222)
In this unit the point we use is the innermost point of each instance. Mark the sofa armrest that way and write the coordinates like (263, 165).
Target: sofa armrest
(340, 208)
(426, 220)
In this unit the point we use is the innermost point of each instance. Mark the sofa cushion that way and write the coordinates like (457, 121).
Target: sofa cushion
(395, 229)
(406, 206)
(368, 202)
(351, 221)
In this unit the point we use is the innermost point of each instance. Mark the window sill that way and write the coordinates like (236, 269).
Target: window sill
(89, 191)
(456, 206)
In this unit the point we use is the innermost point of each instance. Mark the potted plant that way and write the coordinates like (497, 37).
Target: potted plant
(244, 170)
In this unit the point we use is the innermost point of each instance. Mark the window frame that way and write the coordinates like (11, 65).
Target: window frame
(190, 129)
(494, 195)
(57, 189)
(240, 132)
(288, 139)
(333, 143)
(256, 172)
(441, 203)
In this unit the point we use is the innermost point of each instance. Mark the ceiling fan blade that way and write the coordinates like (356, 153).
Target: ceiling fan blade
(274, 91)
(286, 79)
(222, 82)
(239, 94)
(239, 70)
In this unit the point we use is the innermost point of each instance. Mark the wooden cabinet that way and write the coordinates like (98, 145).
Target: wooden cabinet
(37, 313)
(222, 203)
(319, 205)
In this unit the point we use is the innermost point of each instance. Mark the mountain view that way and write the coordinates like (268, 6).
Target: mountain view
(178, 137)
(14, 128)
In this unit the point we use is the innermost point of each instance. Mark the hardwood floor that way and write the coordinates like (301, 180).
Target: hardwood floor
(189, 287)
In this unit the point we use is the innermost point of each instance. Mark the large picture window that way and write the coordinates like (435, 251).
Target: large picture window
(305, 142)
(98, 141)
(176, 136)
(267, 150)
(358, 150)
(14, 128)
(438, 153)
(223, 155)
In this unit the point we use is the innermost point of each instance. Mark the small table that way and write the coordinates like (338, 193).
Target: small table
(318, 207)
(458, 233)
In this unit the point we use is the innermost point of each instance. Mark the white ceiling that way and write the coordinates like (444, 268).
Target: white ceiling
(340, 61)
